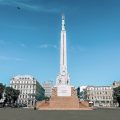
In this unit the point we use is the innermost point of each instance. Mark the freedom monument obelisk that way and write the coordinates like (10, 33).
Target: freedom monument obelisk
(63, 79)
(64, 95)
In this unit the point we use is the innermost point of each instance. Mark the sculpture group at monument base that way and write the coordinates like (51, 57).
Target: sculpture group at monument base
(63, 102)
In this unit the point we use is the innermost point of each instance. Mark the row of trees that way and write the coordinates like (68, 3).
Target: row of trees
(10, 94)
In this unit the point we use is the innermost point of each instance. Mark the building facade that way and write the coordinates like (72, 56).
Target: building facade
(47, 85)
(99, 96)
(30, 89)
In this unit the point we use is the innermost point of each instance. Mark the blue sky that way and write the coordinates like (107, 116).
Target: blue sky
(30, 39)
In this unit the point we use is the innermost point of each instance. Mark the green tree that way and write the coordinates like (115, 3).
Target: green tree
(11, 95)
(116, 95)
(78, 92)
(15, 95)
(46, 98)
(2, 87)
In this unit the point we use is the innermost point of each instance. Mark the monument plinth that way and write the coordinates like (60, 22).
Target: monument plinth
(64, 96)
(63, 90)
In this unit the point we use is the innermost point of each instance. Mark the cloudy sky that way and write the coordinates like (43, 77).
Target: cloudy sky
(30, 39)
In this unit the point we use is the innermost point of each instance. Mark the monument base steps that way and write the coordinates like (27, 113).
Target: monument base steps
(63, 103)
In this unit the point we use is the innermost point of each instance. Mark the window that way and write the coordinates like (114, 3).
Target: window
(34, 91)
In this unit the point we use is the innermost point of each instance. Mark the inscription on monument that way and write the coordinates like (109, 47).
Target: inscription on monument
(64, 90)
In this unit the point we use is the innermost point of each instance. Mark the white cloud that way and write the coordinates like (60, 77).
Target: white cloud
(53, 46)
(39, 8)
(10, 58)
(26, 5)
(78, 48)
(48, 46)
(43, 46)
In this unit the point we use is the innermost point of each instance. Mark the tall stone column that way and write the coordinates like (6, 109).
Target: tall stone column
(63, 77)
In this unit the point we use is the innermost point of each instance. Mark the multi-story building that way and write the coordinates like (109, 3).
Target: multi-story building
(116, 84)
(99, 95)
(30, 89)
(47, 85)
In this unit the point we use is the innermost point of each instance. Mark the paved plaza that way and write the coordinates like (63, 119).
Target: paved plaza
(29, 114)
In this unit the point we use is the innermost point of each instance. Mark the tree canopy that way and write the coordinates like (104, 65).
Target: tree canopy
(78, 92)
(1, 90)
(116, 95)
(11, 94)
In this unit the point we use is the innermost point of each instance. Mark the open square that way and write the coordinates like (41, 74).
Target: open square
(30, 114)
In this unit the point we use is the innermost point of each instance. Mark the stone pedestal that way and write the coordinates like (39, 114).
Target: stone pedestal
(67, 100)
(64, 91)
(64, 102)
(64, 97)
